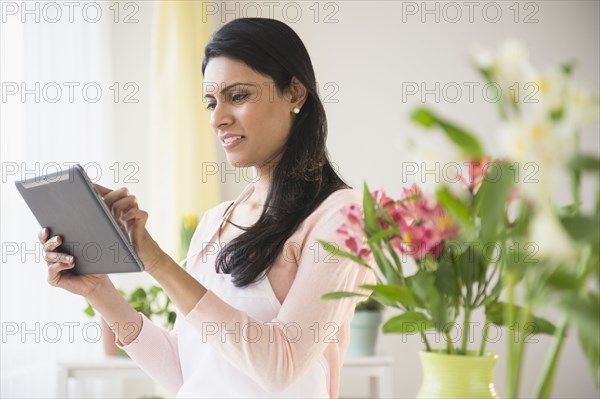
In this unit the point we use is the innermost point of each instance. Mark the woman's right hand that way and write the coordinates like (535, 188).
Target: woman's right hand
(59, 265)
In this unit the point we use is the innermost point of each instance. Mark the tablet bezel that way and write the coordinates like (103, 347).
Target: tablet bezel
(128, 260)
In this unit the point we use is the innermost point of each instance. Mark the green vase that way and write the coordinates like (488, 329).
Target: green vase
(363, 333)
(456, 376)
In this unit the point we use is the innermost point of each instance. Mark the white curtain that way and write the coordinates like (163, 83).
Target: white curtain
(45, 125)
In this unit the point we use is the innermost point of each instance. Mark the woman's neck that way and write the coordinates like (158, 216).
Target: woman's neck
(262, 182)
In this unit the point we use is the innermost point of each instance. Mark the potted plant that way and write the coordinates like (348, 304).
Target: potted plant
(364, 328)
(152, 302)
(490, 232)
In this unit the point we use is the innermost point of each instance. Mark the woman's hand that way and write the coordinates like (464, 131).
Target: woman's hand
(58, 265)
(132, 220)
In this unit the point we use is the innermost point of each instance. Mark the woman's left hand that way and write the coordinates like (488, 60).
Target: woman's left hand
(132, 221)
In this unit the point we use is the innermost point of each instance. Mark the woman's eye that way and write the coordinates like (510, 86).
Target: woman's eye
(210, 106)
(238, 97)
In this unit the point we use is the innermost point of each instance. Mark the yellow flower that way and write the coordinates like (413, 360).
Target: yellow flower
(190, 221)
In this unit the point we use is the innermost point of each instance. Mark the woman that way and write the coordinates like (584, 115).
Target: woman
(250, 319)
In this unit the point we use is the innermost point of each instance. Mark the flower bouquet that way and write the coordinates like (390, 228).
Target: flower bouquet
(493, 239)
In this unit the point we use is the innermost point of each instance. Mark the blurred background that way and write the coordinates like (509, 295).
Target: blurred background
(116, 86)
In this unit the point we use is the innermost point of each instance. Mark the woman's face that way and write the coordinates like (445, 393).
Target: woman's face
(246, 103)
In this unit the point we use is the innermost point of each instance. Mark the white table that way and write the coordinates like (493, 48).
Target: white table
(110, 368)
(379, 370)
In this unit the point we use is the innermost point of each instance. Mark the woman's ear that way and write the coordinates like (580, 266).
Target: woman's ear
(297, 93)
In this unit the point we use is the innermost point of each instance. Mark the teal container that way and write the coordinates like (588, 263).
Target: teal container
(364, 329)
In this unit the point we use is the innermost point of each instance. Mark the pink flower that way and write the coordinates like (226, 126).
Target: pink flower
(353, 232)
(477, 171)
(424, 226)
(388, 205)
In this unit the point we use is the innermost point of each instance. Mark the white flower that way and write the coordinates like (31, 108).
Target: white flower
(549, 237)
(512, 66)
(540, 149)
(581, 106)
(545, 92)
(482, 58)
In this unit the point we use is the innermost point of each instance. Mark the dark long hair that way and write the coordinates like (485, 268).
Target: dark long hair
(304, 177)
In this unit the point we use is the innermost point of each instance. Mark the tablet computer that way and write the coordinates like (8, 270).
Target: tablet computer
(67, 203)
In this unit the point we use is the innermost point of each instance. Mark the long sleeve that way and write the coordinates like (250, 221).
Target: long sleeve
(155, 351)
(292, 342)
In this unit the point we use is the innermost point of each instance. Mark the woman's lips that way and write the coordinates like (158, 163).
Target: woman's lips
(234, 143)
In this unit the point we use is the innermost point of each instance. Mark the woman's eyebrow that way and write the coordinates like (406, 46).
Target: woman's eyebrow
(230, 87)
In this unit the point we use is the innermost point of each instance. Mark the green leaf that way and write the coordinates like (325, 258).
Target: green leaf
(424, 117)
(408, 323)
(395, 293)
(388, 270)
(334, 250)
(561, 280)
(371, 223)
(495, 314)
(585, 162)
(423, 286)
(171, 319)
(89, 311)
(582, 228)
(138, 295)
(456, 207)
(464, 139)
(383, 234)
(446, 279)
(568, 67)
(386, 217)
(585, 313)
(339, 294)
(491, 200)
(470, 265)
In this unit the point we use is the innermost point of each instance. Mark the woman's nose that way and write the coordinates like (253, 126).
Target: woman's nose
(220, 117)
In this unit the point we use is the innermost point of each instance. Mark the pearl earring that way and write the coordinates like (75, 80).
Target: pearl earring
(296, 110)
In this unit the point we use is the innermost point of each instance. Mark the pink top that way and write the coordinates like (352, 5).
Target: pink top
(301, 274)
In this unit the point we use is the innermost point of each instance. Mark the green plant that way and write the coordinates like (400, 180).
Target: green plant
(369, 304)
(152, 302)
(496, 230)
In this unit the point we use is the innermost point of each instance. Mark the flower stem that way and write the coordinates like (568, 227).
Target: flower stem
(486, 327)
(449, 346)
(546, 382)
(520, 327)
(512, 364)
(465, 338)
(427, 346)
(397, 261)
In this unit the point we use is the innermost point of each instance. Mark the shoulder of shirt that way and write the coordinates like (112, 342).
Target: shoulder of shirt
(328, 213)
(345, 196)
(337, 200)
